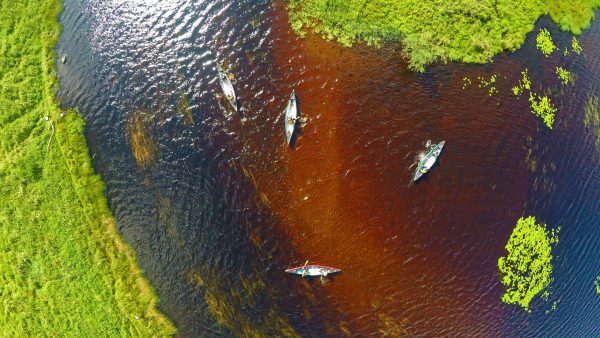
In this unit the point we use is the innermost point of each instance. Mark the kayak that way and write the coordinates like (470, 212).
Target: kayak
(313, 270)
(290, 117)
(227, 87)
(429, 160)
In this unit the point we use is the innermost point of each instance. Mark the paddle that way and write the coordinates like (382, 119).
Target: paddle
(304, 271)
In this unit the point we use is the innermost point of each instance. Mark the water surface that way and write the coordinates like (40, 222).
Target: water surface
(228, 206)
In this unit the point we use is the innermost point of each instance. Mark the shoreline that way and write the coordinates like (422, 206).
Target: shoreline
(67, 268)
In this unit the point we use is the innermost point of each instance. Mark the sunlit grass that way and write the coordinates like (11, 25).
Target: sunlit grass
(64, 269)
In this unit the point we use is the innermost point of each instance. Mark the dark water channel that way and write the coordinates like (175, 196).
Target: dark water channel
(227, 206)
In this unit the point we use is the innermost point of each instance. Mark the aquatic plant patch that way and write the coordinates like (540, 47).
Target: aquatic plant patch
(544, 42)
(64, 269)
(541, 105)
(526, 270)
(597, 285)
(565, 76)
(575, 46)
(543, 108)
(432, 31)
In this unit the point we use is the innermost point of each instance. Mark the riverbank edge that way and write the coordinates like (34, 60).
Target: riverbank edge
(94, 187)
(67, 135)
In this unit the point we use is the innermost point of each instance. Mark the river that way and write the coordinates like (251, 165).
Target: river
(228, 206)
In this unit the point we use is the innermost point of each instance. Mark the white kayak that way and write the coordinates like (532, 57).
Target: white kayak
(313, 270)
(290, 117)
(429, 160)
(227, 88)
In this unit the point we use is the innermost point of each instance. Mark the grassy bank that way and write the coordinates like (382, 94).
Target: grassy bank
(64, 269)
(430, 31)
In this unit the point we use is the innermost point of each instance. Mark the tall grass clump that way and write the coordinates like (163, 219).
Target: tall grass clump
(64, 269)
(431, 31)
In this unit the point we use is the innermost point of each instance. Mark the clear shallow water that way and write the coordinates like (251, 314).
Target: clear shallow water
(228, 206)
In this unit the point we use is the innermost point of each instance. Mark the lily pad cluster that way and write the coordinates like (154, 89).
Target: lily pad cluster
(527, 268)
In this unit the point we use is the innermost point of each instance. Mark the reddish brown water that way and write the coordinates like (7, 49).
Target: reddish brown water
(229, 206)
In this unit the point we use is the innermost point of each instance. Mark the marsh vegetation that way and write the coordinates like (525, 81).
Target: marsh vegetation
(431, 31)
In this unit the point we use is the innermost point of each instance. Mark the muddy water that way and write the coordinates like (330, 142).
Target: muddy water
(228, 206)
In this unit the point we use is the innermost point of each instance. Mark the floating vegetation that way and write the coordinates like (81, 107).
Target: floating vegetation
(543, 108)
(432, 31)
(489, 84)
(524, 84)
(527, 269)
(544, 42)
(466, 82)
(565, 76)
(592, 118)
(541, 105)
(143, 147)
(597, 284)
(576, 46)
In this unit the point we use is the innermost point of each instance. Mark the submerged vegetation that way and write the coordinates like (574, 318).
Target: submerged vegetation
(565, 76)
(527, 269)
(143, 146)
(64, 269)
(544, 42)
(592, 118)
(431, 31)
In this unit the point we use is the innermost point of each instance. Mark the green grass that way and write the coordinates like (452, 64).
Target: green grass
(431, 31)
(544, 42)
(527, 269)
(64, 269)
